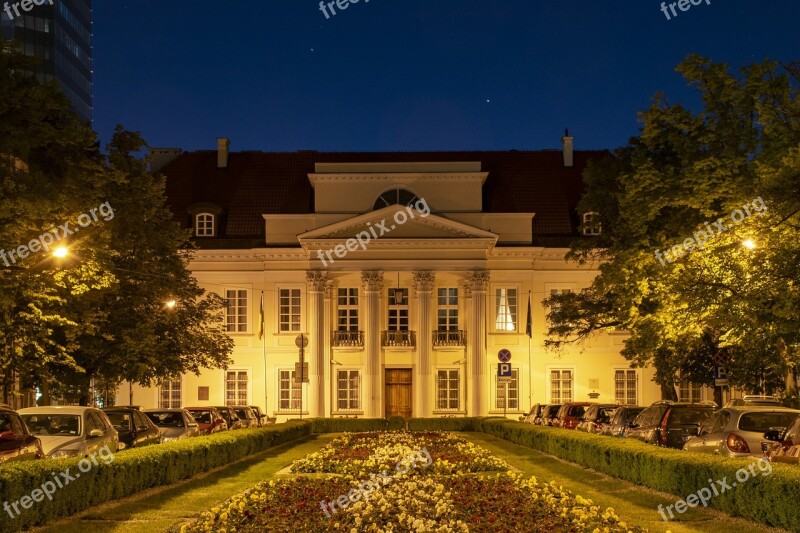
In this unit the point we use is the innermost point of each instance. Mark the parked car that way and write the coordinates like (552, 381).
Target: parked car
(597, 417)
(247, 416)
(548, 415)
(230, 416)
(570, 414)
(16, 441)
(263, 419)
(669, 424)
(173, 424)
(134, 428)
(208, 419)
(783, 446)
(621, 421)
(739, 431)
(533, 414)
(71, 431)
(754, 399)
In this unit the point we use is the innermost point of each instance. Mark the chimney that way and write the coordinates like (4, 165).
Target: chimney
(222, 152)
(566, 148)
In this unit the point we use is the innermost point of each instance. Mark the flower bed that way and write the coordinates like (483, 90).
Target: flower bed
(450, 493)
(362, 453)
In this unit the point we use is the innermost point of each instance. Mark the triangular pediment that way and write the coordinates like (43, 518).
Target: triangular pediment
(395, 224)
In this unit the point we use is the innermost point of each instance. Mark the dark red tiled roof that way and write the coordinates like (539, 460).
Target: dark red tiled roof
(257, 183)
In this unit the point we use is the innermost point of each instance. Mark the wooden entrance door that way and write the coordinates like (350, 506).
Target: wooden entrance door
(398, 392)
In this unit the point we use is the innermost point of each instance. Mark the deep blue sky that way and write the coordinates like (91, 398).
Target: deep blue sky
(409, 74)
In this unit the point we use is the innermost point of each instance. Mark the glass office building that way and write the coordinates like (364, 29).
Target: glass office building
(60, 36)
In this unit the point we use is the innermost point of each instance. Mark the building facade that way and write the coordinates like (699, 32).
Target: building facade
(59, 34)
(403, 274)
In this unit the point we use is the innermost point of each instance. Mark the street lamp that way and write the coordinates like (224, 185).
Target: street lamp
(749, 244)
(60, 252)
(171, 304)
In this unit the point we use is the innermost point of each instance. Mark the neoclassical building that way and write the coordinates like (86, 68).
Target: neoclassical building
(405, 274)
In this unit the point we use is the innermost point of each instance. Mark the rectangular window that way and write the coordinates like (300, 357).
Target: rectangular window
(236, 387)
(204, 225)
(170, 394)
(625, 387)
(398, 310)
(236, 316)
(690, 392)
(288, 391)
(511, 389)
(560, 386)
(349, 390)
(347, 310)
(448, 390)
(289, 311)
(447, 301)
(506, 309)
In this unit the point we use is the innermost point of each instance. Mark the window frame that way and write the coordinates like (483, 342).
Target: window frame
(248, 390)
(448, 389)
(359, 387)
(290, 287)
(561, 370)
(209, 221)
(399, 308)
(497, 408)
(246, 315)
(351, 310)
(293, 386)
(495, 308)
(451, 309)
(593, 230)
(636, 392)
(179, 381)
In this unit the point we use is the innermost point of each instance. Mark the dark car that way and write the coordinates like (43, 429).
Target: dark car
(622, 420)
(548, 415)
(230, 416)
(134, 428)
(174, 424)
(247, 416)
(570, 414)
(785, 447)
(533, 414)
(263, 419)
(670, 424)
(597, 417)
(209, 419)
(16, 441)
(755, 399)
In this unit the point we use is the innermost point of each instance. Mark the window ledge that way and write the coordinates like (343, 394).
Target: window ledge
(347, 413)
(285, 413)
(450, 413)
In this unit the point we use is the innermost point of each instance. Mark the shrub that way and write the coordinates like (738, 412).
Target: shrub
(130, 472)
(341, 425)
(442, 424)
(771, 500)
(396, 423)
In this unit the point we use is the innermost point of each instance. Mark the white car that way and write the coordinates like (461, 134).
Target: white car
(70, 431)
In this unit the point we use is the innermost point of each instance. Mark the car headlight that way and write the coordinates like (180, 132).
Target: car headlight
(168, 439)
(60, 454)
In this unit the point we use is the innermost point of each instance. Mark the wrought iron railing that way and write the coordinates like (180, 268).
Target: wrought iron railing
(450, 338)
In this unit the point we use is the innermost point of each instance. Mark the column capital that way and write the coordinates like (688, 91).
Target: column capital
(478, 280)
(317, 280)
(423, 281)
(330, 288)
(372, 280)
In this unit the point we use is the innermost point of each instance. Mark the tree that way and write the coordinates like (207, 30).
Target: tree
(682, 287)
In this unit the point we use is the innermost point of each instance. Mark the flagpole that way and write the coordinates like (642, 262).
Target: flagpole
(263, 352)
(529, 331)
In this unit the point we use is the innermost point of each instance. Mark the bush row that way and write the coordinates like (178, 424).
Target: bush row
(130, 472)
(771, 499)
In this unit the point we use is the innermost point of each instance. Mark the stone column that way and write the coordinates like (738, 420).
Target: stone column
(479, 379)
(316, 346)
(329, 375)
(423, 390)
(467, 366)
(373, 372)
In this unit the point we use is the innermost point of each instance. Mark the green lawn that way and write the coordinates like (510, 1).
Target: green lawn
(634, 504)
(163, 508)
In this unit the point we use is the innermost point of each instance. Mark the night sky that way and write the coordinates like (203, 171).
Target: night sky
(418, 75)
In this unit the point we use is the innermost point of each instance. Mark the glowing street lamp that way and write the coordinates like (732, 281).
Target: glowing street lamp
(749, 244)
(171, 304)
(60, 252)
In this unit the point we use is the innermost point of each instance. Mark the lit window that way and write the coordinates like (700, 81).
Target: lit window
(625, 387)
(347, 310)
(560, 386)
(288, 391)
(204, 225)
(170, 394)
(236, 315)
(591, 224)
(448, 389)
(447, 300)
(349, 390)
(236, 387)
(506, 309)
(689, 392)
(289, 310)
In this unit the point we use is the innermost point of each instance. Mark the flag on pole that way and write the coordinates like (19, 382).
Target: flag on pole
(529, 323)
(261, 318)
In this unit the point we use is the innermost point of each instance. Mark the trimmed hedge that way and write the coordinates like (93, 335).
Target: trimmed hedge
(396, 423)
(442, 424)
(341, 425)
(130, 472)
(770, 500)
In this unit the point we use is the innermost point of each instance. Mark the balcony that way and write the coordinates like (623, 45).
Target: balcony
(449, 339)
(347, 339)
(399, 339)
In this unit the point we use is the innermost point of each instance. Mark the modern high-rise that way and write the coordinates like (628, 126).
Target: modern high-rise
(59, 34)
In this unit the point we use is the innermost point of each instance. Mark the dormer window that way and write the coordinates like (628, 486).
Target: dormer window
(591, 224)
(204, 225)
(394, 197)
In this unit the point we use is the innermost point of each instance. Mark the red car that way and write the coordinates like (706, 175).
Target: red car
(16, 441)
(570, 414)
(208, 419)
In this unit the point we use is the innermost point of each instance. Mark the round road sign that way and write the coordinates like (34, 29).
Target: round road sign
(504, 355)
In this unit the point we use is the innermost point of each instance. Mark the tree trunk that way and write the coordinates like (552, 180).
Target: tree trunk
(790, 390)
(668, 392)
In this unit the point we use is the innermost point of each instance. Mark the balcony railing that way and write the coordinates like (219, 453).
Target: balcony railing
(347, 339)
(450, 338)
(399, 339)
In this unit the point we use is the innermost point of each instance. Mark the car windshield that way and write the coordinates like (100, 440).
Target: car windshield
(241, 413)
(43, 425)
(762, 422)
(576, 411)
(119, 419)
(226, 415)
(5, 423)
(633, 413)
(203, 417)
(605, 413)
(551, 411)
(689, 416)
(169, 419)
